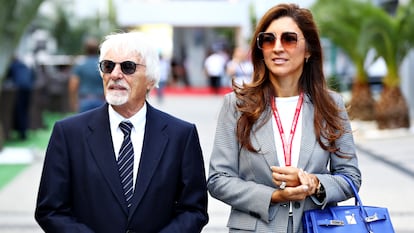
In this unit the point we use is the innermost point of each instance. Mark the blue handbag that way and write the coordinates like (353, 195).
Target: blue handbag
(346, 219)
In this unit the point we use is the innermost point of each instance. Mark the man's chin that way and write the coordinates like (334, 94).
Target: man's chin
(116, 100)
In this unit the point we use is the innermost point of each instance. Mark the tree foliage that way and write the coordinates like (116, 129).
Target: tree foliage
(15, 17)
(341, 22)
(69, 30)
(358, 26)
(392, 37)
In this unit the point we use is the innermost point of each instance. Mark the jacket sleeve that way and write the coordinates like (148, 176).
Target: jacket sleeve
(345, 162)
(53, 208)
(224, 182)
(191, 207)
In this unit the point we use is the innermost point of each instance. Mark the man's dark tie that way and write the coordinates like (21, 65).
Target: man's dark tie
(126, 161)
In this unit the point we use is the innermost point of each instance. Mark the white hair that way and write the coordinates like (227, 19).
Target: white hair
(137, 43)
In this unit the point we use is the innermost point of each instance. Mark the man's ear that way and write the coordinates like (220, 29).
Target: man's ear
(150, 85)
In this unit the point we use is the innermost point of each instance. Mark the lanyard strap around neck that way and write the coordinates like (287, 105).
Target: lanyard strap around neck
(287, 147)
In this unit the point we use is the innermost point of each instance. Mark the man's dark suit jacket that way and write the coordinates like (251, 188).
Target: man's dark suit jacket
(80, 189)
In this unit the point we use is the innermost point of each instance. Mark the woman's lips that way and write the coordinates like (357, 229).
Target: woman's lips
(279, 60)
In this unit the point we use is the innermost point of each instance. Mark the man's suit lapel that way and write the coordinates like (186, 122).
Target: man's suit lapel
(101, 146)
(152, 150)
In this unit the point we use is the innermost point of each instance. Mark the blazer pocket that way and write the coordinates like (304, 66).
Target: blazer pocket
(241, 221)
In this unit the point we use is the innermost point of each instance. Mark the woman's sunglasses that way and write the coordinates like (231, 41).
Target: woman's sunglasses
(127, 67)
(267, 40)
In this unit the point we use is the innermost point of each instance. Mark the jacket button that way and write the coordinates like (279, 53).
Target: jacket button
(296, 205)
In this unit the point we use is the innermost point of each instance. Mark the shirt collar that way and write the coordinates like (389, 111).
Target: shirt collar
(138, 119)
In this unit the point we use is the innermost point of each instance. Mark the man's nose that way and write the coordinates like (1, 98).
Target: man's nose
(117, 72)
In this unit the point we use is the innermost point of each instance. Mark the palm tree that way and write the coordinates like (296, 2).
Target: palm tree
(392, 37)
(340, 21)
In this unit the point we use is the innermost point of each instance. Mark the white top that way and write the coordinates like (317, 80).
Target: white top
(286, 107)
(137, 134)
(215, 64)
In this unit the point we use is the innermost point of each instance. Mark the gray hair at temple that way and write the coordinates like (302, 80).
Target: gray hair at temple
(138, 44)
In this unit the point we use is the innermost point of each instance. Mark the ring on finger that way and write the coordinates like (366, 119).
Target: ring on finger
(283, 185)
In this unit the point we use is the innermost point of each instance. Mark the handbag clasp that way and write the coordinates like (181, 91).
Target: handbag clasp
(373, 218)
(331, 222)
(336, 223)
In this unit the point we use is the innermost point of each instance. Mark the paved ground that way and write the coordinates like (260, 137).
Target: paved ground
(386, 160)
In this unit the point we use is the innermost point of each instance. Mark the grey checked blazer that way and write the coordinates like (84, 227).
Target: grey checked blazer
(243, 180)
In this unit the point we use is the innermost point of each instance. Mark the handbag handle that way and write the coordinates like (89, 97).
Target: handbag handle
(358, 200)
(358, 203)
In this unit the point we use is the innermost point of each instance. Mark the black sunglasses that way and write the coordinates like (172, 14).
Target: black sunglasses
(267, 40)
(127, 67)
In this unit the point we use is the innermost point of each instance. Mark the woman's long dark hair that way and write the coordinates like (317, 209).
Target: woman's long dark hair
(254, 98)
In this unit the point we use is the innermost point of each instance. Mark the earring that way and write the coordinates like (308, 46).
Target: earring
(306, 60)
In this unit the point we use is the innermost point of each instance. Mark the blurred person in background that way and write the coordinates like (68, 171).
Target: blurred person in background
(282, 139)
(214, 66)
(124, 166)
(22, 77)
(165, 69)
(240, 66)
(179, 73)
(85, 83)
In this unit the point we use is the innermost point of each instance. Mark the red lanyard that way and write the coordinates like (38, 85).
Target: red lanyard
(287, 147)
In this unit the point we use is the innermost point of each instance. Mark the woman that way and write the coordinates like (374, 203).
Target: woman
(281, 139)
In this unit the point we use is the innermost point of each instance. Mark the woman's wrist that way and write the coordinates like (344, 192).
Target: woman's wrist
(275, 196)
(320, 193)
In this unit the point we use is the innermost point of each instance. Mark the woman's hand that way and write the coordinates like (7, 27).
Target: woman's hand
(289, 175)
(298, 184)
